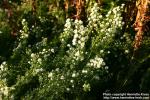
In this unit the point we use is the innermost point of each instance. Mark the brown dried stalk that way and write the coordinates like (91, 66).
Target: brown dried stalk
(66, 5)
(77, 4)
(140, 22)
(34, 7)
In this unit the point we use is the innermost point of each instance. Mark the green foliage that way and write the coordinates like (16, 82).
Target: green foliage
(54, 58)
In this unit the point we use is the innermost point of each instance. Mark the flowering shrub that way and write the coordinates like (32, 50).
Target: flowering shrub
(62, 71)
(81, 60)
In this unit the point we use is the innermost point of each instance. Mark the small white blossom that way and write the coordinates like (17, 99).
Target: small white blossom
(52, 50)
(73, 75)
(84, 71)
(39, 70)
(23, 20)
(76, 32)
(57, 69)
(40, 60)
(62, 77)
(101, 51)
(50, 75)
(74, 42)
(86, 87)
(96, 62)
(44, 50)
(77, 54)
(68, 45)
(33, 55)
(126, 51)
(68, 89)
(71, 81)
(108, 52)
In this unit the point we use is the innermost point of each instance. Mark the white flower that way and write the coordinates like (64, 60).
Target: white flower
(68, 20)
(101, 51)
(57, 84)
(5, 91)
(80, 22)
(73, 75)
(57, 69)
(71, 81)
(77, 54)
(39, 70)
(82, 45)
(100, 60)
(1, 67)
(62, 77)
(79, 41)
(68, 45)
(44, 50)
(52, 50)
(29, 62)
(50, 75)
(76, 31)
(23, 20)
(74, 42)
(4, 63)
(76, 21)
(100, 16)
(86, 87)
(68, 89)
(84, 71)
(40, 60)
(96, 62)
(83, 39)
(62, 40)
(114, 10)
(126, 51)
(33, 55)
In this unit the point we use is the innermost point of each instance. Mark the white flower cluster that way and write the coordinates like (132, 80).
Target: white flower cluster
(114, 17)
(86, 87)
(38, 70)
(36, 62)
(67, 30)
(45, 53)
(50, 75)
(2, 66)
(35, 59)
(97, 62)
(24, 32)
(94, 16)
(4, 90)
(80, 36)
(107, 26)
(3, 69)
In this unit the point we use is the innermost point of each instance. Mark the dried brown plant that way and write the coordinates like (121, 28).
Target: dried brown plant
(140, 22)
(78, 5)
